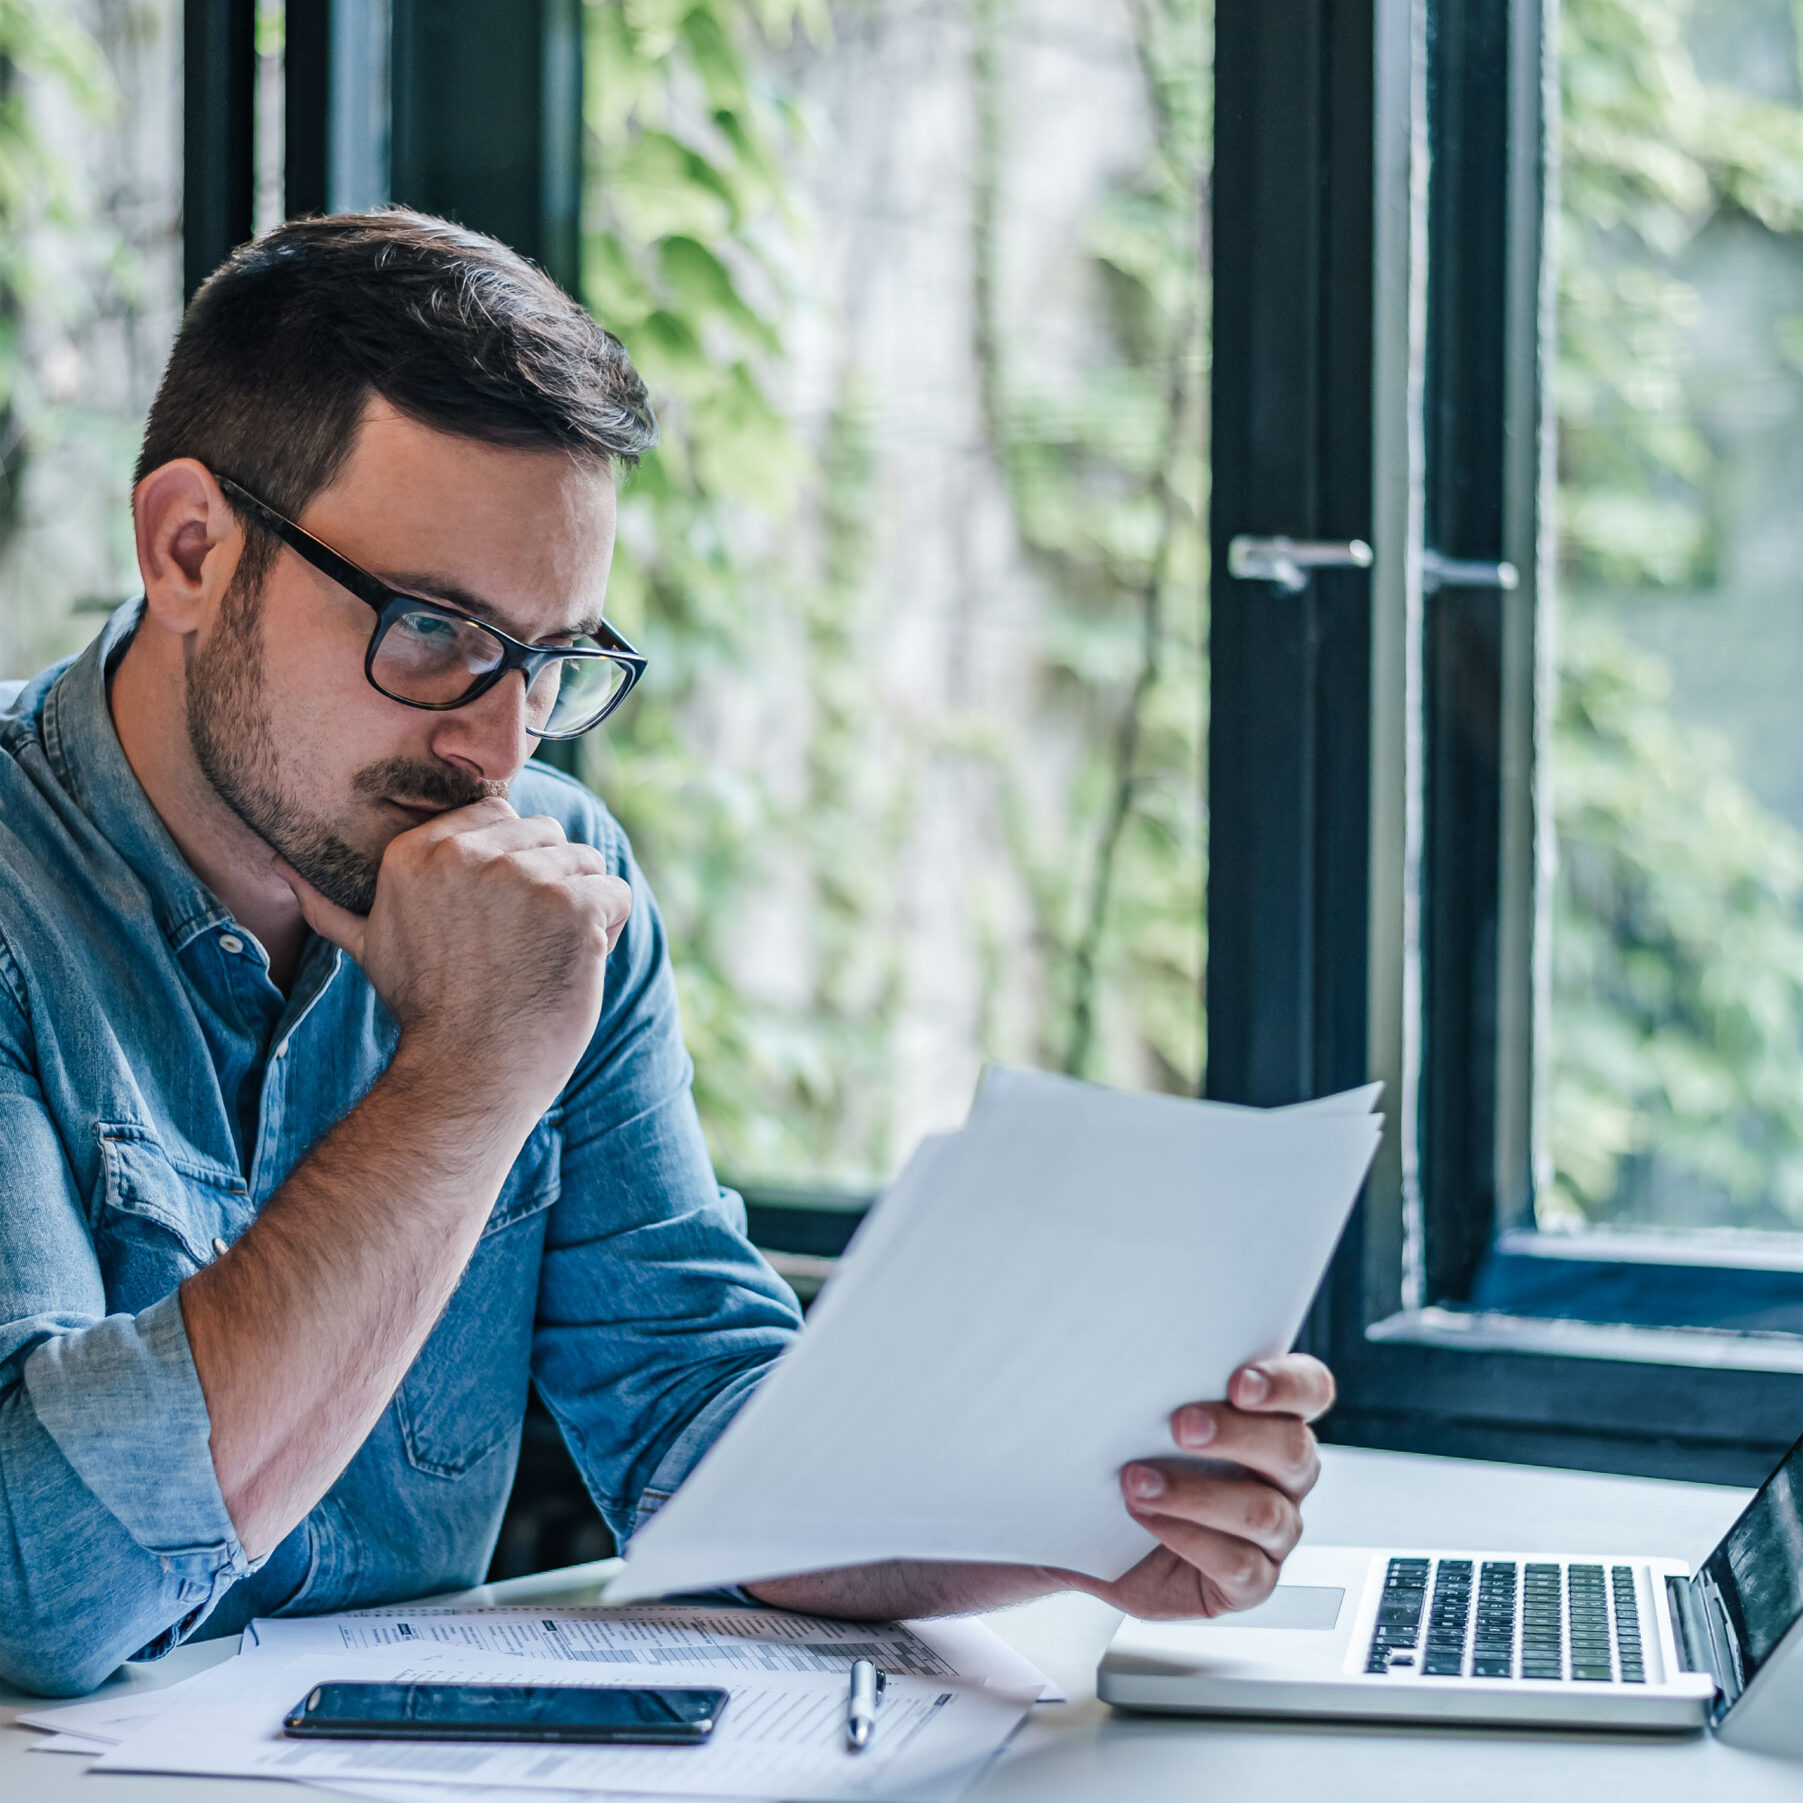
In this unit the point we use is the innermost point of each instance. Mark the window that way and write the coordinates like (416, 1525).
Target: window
(1561, 924)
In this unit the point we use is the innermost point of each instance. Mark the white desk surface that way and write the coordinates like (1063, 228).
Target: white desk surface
(1082, 1752)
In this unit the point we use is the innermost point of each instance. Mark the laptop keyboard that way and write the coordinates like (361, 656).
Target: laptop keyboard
(1462, 1618)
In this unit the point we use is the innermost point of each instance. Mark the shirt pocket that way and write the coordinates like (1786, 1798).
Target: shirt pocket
(465, 1394)
(159, 1215)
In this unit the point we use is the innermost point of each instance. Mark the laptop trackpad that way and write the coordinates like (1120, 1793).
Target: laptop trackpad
(1289, 1606)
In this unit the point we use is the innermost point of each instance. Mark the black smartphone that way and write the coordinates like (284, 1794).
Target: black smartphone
(577, 1712)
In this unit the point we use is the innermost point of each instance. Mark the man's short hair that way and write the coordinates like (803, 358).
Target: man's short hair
(285, 343)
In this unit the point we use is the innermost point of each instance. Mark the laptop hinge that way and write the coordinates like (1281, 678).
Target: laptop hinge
(1694, 1651)
(1699, 1649)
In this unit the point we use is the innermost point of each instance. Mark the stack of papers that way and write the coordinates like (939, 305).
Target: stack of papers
(955, 1694)
(1017, 1319)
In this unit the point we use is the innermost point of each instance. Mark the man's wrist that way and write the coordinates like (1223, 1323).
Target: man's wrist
(468, 1119)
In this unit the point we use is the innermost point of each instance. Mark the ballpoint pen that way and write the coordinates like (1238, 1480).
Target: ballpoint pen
(860, 1706)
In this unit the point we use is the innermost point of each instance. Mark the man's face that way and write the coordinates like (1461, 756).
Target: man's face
(280, 716)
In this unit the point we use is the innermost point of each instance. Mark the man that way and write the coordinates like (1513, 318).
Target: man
(342, 1091)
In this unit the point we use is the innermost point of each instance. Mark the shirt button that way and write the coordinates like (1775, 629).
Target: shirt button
(220, 1248)
(231, 943)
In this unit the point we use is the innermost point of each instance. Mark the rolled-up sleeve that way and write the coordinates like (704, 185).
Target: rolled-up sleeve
(656, 1316)
(114, 1538)
(126, 1379)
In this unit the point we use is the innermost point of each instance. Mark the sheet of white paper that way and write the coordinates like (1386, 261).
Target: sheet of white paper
(70, 1743)
(110, 1717)
(1350, 1101)
(781, 1734)
(1017, 1320)
(722, 1640)
(1003, 1085)
(473, 1793)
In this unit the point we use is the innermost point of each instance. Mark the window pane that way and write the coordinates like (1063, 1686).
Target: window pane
(90, 292)
(1673, 1096)
(917, 767)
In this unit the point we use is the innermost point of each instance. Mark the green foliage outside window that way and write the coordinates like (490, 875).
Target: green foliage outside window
(683, 169)
(1677, 1020)
(42, 48)
(687, 137)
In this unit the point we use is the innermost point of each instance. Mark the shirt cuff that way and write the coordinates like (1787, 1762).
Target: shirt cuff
(123, 1403)
(693, 1442)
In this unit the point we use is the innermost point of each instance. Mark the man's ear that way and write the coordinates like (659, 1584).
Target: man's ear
(189, 542)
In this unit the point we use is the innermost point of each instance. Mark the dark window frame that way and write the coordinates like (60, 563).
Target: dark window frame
(1323, 805)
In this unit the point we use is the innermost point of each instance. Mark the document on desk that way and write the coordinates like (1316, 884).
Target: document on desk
(109, 1718)
(721, 1640)
(782, 1734)
(1014, 1322)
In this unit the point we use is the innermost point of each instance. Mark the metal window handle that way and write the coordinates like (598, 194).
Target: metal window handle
(1439, 572)
(1286, 562)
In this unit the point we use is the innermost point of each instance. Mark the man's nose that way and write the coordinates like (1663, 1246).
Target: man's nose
(489, 736)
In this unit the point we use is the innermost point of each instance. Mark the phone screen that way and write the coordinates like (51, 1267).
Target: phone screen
(580, 1712)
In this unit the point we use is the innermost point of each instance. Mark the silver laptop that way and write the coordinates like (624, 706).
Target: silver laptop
(1624, 1641)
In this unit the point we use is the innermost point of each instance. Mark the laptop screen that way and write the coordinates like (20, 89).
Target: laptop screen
(1757, 1571)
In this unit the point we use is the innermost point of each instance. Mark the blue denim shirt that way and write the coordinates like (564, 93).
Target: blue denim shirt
(156, 1088)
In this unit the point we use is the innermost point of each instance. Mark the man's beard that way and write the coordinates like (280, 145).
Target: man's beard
(229, 732)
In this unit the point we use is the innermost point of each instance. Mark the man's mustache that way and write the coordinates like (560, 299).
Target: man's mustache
(424, 785)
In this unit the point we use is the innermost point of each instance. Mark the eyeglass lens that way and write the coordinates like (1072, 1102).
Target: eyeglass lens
(430, 658)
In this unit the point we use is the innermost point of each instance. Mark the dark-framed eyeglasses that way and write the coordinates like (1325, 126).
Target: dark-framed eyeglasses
(424, 654)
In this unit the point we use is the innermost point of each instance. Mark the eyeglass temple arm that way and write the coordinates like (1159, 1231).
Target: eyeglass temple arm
(321, 556)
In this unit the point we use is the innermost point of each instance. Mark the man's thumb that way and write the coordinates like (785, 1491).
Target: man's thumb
(343, 928)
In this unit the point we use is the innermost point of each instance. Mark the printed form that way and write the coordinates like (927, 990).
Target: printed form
(718, 1640)
(781, 1734)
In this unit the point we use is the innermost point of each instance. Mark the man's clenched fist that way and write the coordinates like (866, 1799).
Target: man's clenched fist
(488, 942)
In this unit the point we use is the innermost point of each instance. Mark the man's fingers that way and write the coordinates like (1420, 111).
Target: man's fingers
(479, 831)
(1234, 1573)
(1279, 1448)
(343, 928)
(610, 895)
(491, 810)
(1242, 1507)
(562, 860)
(1292, 1384)
(622, 911)
(572, 863)
(1232, 1533)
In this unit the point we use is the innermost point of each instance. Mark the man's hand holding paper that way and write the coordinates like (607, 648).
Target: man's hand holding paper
(1223, 1534)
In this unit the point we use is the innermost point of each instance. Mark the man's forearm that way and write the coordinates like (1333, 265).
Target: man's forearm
(301, 1333)
(907, 1589)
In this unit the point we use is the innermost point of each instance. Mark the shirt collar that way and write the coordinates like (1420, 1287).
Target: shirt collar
(83, 747)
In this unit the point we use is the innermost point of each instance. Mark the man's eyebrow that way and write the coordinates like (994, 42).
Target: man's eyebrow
(427, 585)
